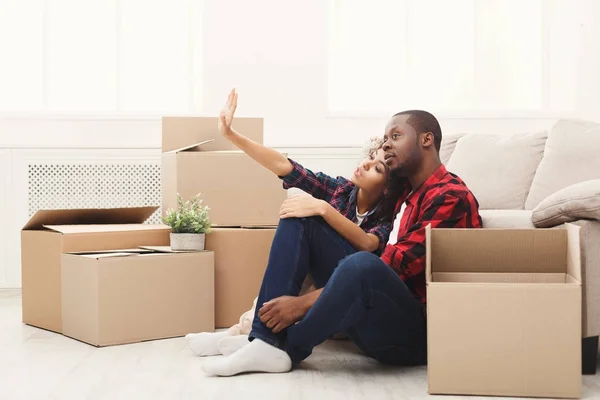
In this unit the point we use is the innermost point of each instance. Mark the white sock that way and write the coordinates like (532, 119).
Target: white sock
(230, 344)
(205, 343)
(256, 356)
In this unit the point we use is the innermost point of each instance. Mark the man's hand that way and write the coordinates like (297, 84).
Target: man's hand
(282, 312)
(301, 205)
(227, 113)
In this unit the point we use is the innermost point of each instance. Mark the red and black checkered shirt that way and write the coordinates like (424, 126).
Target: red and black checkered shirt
(341, 194)
(444, 201)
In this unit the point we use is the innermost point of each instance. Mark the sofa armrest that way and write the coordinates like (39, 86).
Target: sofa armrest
(580, 201)
(590, 275)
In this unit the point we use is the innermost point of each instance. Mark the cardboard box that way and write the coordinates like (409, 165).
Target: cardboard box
(180, 132)
(504, 312)
(241, 257)
(126, 297)
(238, 190)
(52, 232)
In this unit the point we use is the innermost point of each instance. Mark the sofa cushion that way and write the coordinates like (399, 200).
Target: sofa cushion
(447, 146)
(572, 155)
(498, 168)
(506, 219)
(578, 201)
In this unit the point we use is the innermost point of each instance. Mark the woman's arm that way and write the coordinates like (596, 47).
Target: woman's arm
(300, 206)
(319, 185)
(347, 229)
(268, 158)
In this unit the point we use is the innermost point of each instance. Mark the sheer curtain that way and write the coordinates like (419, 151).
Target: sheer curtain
(100, 56)
(449, 56)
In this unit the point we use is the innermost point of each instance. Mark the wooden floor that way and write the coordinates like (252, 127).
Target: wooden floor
(37, 364)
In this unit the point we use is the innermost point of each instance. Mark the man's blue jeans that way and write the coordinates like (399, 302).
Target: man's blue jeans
(362, 296)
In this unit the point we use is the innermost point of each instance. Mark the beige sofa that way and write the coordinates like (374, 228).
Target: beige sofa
(541, 180)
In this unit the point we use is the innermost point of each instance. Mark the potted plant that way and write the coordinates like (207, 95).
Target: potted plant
(189, 223)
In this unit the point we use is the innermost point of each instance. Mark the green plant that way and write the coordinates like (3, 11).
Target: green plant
(190, 216)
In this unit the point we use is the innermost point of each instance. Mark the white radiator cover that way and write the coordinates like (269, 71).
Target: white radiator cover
(101, 185)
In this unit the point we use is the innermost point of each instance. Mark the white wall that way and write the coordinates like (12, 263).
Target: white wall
(275, 53)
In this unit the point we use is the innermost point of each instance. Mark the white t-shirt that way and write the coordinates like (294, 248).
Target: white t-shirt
(393, 239)
(360, 217)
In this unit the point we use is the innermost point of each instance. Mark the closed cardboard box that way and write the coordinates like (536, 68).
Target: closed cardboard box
(238, 190)
(180, 132)
(504, 312)
(125, 297)
(52, 232)
(241, 256)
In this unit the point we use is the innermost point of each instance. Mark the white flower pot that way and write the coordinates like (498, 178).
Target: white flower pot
(187, 241)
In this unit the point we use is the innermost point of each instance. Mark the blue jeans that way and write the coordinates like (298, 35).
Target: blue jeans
(362, 296)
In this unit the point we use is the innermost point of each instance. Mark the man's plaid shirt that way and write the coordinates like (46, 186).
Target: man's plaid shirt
(444, 201)
(341, 194)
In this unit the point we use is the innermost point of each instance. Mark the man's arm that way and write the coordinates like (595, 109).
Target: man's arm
(284, 311)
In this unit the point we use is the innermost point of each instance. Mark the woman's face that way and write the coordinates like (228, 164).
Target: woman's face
(372, 173)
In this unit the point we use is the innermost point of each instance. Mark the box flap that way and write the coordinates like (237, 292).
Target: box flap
(180, 131)
(72, 229)
(192, 147)
(129, 215)
(81, 253)
(428, 253)
(98, 256)
(110, 253)
(573, 251)
(165, 249)
(498, 250)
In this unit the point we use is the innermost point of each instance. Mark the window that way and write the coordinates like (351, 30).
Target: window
(112, 56)
(452, 56)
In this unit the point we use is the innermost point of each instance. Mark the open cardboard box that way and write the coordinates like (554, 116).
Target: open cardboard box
(118, 297)
(504, 312)
(238, 190)
(49, 233)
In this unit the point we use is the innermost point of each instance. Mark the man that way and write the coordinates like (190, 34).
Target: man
(378, 301)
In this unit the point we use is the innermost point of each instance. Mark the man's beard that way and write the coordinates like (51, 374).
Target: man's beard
(406, 168)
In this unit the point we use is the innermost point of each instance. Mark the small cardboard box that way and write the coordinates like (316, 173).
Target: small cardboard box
(126, 297)
(52, 232)
(504, 312)
(238, 190)
(180, 132)
(241, 256)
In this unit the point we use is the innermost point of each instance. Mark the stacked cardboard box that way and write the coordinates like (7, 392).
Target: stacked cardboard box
(504, 312)
(244, 199)
(85, 275)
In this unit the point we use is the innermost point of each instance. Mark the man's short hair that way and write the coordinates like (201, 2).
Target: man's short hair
(424, 121)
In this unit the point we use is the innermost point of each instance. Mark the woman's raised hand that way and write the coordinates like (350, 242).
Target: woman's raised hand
(227, 113)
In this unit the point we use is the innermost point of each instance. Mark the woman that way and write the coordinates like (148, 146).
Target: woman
(359, 210)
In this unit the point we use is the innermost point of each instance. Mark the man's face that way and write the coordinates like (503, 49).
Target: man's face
(402, 152)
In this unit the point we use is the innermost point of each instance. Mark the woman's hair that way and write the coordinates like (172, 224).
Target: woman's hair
(394, 187)
(373, 145)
